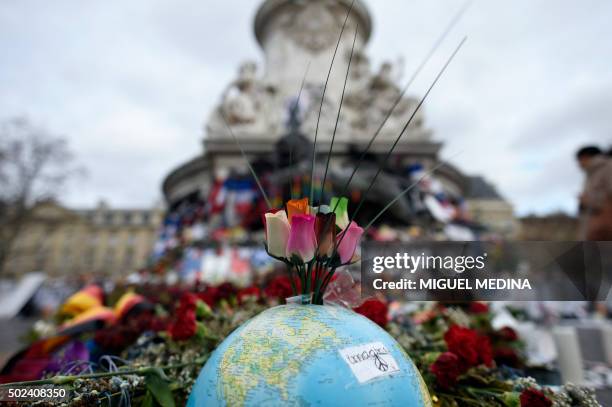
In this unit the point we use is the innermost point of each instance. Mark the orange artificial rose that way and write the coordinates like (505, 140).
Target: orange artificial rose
(297, 207)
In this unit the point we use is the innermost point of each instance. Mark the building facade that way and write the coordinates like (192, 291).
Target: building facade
(487, 207)
(556, 226)
(101, 241)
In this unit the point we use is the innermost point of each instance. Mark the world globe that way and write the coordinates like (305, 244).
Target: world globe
(301, 355)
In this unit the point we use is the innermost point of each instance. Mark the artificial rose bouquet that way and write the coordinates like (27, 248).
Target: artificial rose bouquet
(312, 241)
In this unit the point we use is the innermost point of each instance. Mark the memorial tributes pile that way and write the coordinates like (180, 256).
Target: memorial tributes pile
(144, 347)
(214, 321)
(226, 345)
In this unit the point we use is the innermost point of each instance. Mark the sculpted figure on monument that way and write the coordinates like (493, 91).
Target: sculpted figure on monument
(358, 93)
(312, 95)
(360, 74)
(242, 99)
(383, 82)
(383, 92)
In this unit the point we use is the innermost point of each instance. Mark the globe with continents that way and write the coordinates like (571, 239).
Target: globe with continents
(309, 355)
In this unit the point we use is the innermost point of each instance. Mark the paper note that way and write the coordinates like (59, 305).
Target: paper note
(369, 361)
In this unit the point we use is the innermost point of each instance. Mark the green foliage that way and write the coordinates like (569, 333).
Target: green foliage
(159, 388)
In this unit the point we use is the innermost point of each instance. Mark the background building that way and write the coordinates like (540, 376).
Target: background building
(486, 206)
(556, 226)
(102, 241)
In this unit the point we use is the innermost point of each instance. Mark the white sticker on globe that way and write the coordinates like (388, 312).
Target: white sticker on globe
(369, 361)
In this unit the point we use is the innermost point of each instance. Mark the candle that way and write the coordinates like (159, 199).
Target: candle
(569, 356)
(606, 333)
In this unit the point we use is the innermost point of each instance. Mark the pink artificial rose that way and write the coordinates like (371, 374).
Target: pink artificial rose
(302, 241)
(348, 243)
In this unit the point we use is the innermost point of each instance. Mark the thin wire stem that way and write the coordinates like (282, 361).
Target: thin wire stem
(314, 145)
(399, 98)
(384, 161)
(246, 160)
(415, 111)
(404, 192)
(297, 105)
(331, 145)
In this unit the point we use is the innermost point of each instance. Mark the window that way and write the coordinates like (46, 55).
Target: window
(68, 235)
(109, 258)
(129, 257)
(88, 257)
(41, 259)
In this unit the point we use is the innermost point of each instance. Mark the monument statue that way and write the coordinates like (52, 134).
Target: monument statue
(241, 102)
(262, 111)
(297, 34)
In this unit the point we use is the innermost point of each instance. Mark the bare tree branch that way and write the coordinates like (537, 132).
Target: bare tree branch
(34, 166)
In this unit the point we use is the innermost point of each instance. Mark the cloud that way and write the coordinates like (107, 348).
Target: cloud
(584, 118)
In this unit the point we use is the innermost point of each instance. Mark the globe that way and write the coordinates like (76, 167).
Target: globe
(302, 355)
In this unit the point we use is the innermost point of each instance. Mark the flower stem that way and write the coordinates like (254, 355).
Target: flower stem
(291, 280)
(308, 277)
(325, 283)
(318, 281)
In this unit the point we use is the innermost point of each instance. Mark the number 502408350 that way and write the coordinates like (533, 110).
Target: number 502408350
(33, 393)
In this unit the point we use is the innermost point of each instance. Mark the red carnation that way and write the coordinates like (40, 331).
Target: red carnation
(463, 342)
(506, 357)
(534, 398)
(479, 308)
(188, 301)
(225, 291)
(158, 324)
(146, 321)
(184, 327)
(507, 334)
(209, 296)
(117, 337)
(375, 310)
(447, 369)
(485, 351)
(114, 338)
(471, 348)
(279, 287)
(252, 291)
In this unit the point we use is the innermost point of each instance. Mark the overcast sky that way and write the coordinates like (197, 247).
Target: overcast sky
(130, 83)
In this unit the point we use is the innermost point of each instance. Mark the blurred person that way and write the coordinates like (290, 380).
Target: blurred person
(596, 204)
(596, 197)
